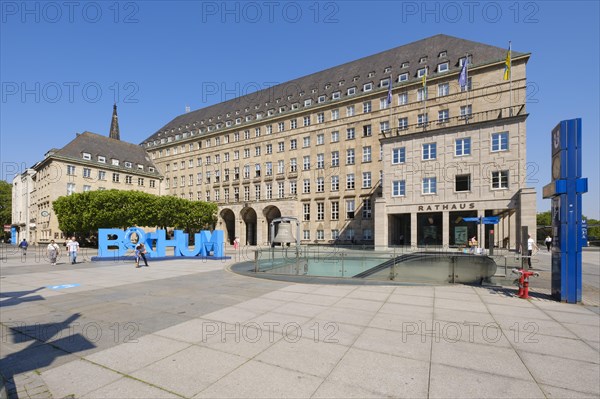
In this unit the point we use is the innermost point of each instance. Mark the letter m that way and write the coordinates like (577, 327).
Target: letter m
(211, 243)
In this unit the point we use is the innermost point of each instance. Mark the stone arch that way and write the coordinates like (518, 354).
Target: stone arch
(228, 219)
(270, 212)
(249, 217)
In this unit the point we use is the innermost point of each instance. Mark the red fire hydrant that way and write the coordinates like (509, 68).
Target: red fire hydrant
(524, 281)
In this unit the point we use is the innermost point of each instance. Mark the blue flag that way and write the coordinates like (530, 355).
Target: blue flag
(462, 78)
(389, 96)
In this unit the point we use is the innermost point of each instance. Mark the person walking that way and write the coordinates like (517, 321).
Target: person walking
(73, 247)
(236, 243)
(140, 252)
(53, 251)
(23, 245)
(548, 242)
(530, 246)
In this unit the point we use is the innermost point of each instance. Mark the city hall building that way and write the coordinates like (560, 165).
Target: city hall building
(332, 150)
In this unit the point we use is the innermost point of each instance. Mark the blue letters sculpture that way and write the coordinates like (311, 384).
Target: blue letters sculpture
(206, 243)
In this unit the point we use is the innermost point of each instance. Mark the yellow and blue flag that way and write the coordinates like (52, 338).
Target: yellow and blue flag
(507, 64)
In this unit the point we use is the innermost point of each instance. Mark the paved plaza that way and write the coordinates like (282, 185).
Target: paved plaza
(194, 329)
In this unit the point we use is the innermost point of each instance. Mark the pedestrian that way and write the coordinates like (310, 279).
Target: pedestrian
(236, 243)
(53, 250)
(530, 246)
(140, 252)
(23, 245)
(473, 244)
(72, 247)
(548, 242)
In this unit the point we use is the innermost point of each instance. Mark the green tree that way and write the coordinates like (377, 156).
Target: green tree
(5, 205)
(544, 219)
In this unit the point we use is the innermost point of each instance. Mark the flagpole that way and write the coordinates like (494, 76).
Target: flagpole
(467, 86)
(426, 119)
(391, 98)
(510, 110)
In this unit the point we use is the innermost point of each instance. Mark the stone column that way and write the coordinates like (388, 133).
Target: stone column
(413, 230)
(445, 229)
(380, 219)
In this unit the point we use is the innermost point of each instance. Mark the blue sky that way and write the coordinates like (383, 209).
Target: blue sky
(62, 65)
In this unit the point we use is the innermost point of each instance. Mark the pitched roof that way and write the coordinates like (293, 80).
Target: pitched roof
(98, 145)
(340, 78)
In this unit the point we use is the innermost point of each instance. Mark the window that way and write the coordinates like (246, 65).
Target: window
(280, 146)
(422, 120)
(87, 188)
(335, 183)
(257, 151)
(336, 95)
(320, 184)
(429, 185)
(383, 103)
(128, 164)
(293, 165)
(350, 181)
(443, 89)
(306, 211)
(500, 141)
(306, 234)
(350, 209)
(70, 169)
(462, 183)
(443, 67)
(422, 94)
(152, 183)
(269, 191)
(320, 117)
(335, 136)
(320, 161)
(335, 158)
(102, 159)
(321, 99)
(115, 177)
(351, 91)
(306, 186)
(366, 157)
(280, 189)
(320, 139)
(293, 188)
(350, 134)
(320, 211)
(293, 124)
(350, 110)
(246, 155)
(398, 188)
(280, 166)
(87, 172)
(87, 156)
(246, 193)
(403, 77)
(335, 210)
(366, 180)
(280, 127)
(429, 151)
(366, 107)
(236, 155)
(335, 234)
(500, 179)
(246, 137)
(384, 82)
(367, 131)
(70, 188)
(367, 209)
(350, 156)
(101, 175)
(269, 168)
(320, 234)
(403, 123)
(335, 114)
(462, 147)
(256, 170)
(293, 144)
(384, 126)
(422, 72)
(128, 179)
(403, 98)
(398, 155)
(307, 102)
(269, 149)
(468, 87)
(306, 120)
(306, 141)
(368, 87)
(367, 234)
(306, 162)
(443, 116)
(465, 111)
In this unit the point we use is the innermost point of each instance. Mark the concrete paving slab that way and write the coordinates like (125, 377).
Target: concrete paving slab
(308, 356)
(191, 331)
(261, 305)
(358, 304)
(485, 358)
(384, 374)
(528, 313)
(565, 348)
(282, 323)
(77, 378)
(232, 314)
(331, 332)
(590, 319)
(410, 346)
(417, 312)
(420, 290)
(301, 309)
(462, 316)
(372, 295)
(563, 373)
(583, 331)
(260, 380)
(132, 356)
(246, 340)
(330, 389)
(129, 388)
(471, 305)
(560, 393)
(521, 328)
(316, 299)
(410, 299)
(342, 315)
(453, 382)
(189, 371)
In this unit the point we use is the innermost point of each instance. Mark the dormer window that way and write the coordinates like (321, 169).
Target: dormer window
(384, 82)
(403, 77)
(354, 79)
(281, 109)
(328, 86)
(295, 105)
(368, 87)
(307, 102)
(228, 123)
(443, 67)
(463, 59)
(443, 54)
(314, 91)
(341, 82)
(351, 91)
(238, 121)
(321, 99)
(140, 167)
(114, 162)
(422, 60)
(422, 72)
(248, 118)
(87, 156)
(336, 95)
(128, 164)
(150, 169)
(387, 70)
(405, 64)
(371, 74)
(101, 159)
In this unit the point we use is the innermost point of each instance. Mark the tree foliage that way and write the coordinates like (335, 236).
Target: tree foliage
(5, 204)
(89, 211)
(545, 219)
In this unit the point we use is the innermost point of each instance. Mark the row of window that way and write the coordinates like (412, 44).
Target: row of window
(462, 183)
(319, 182)
(443, 89)
(116, 178)
(114, 162)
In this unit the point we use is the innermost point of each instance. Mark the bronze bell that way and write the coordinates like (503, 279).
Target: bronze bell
(284, 234)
